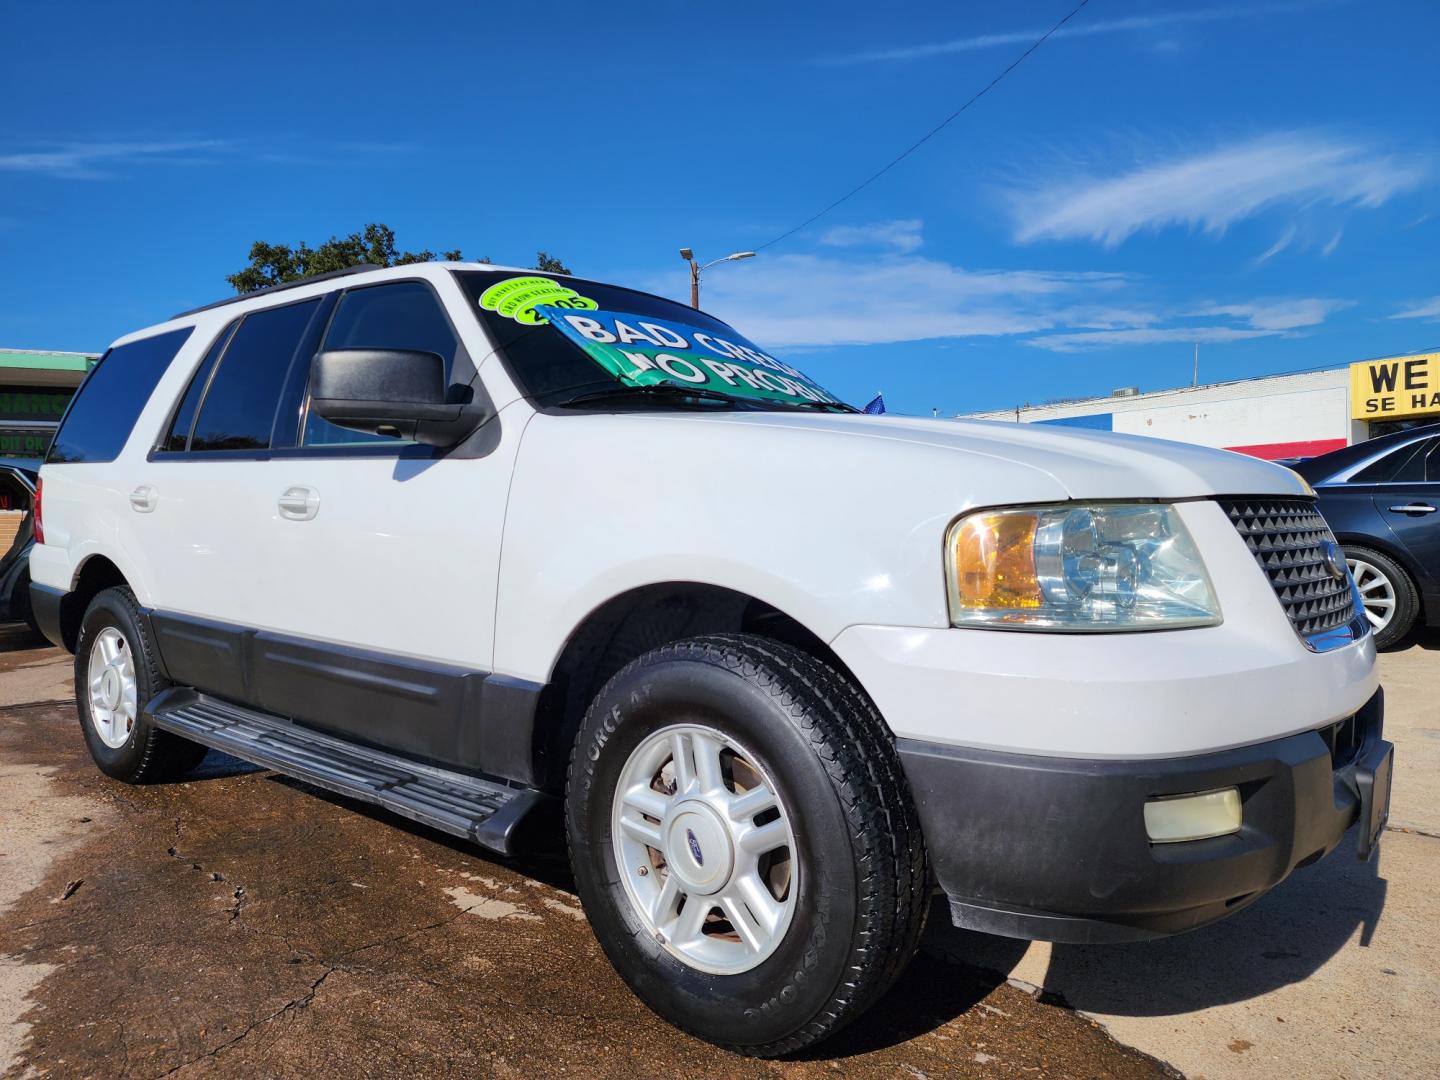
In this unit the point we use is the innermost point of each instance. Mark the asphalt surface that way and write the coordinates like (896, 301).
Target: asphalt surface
(242, 924)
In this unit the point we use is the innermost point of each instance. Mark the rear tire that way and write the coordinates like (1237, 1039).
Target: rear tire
(1389, 594)
(850, 896)
(116, 674)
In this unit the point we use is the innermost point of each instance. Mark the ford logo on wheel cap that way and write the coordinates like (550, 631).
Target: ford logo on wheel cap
(694, 847)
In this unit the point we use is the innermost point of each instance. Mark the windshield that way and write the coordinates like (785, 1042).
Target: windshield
(572, 341)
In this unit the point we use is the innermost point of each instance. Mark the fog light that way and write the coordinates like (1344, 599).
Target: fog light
(1193, 817)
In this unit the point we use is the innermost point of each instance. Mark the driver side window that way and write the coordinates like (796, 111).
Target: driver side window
(404, 315)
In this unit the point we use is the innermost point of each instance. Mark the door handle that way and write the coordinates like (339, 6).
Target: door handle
(299, 503)
(144, 499)
(1413, 509)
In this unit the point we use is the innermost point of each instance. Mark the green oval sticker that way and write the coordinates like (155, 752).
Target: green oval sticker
(518, 297)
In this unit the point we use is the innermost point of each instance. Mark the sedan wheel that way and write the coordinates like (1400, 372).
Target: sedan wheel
(1376, 591)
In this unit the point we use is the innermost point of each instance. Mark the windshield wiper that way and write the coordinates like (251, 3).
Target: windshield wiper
(663, 391)
(838, 405)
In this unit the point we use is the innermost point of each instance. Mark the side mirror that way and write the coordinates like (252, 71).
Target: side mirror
(395, 392)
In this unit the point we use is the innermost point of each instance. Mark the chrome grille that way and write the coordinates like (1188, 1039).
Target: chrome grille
(1288, 538)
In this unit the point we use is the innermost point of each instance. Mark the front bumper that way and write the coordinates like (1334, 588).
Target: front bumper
(1055, 848)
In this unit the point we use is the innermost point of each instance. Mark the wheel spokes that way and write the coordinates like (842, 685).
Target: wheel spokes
(708, 773)
(641, 831)
(759, 839)
(751, 932)
(755, 801)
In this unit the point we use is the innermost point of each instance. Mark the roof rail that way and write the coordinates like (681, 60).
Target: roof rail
(360, 269)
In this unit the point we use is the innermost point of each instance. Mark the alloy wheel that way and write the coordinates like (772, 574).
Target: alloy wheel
(113, 693)
(705, 849)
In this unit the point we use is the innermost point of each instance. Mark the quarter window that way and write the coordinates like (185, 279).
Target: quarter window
(238, 411)
(1403, 466)
(106, 407)
(405, 315)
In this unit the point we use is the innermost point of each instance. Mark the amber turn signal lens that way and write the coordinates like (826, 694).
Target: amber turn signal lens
(995, 562)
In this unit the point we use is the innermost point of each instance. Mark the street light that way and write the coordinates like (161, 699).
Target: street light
(695, 268)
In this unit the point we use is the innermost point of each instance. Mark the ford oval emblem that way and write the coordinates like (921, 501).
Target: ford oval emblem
(694, 847)
(1334, 560)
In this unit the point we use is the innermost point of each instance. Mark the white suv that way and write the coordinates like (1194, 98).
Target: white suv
(466, 541)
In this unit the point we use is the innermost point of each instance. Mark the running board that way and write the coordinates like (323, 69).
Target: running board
(485, 811)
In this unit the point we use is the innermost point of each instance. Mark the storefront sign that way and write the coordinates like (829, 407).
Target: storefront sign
(31, 403)
(25, 442)
(1400, 387)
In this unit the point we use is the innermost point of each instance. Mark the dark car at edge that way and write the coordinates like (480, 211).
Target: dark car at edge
(1382, 501)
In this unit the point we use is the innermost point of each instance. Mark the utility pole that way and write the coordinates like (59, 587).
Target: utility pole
(689, 256)
(1195, 375)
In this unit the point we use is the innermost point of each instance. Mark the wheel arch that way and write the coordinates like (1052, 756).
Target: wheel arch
(92, 577)
(1400, 557)
(632, 623)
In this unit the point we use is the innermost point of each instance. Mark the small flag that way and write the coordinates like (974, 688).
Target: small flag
(876, 406)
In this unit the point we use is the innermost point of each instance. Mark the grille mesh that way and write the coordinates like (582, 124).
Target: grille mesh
(1288, 538)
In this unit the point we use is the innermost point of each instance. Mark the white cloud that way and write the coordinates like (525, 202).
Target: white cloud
(1423, 309)
(87, 161)
(1280, 317)
(1214, 189)
(807, 301)
(1102, 339)
(1074, 28)
(813, 300)
(1288, 314)
(1282, 242)
(903, 235)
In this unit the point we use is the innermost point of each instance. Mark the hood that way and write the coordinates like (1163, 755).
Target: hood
(1086, 464)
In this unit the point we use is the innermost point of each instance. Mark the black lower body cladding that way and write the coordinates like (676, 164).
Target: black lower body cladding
(1055, 849)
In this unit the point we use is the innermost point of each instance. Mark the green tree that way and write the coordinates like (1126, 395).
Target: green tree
(548, 263)
(279, 264)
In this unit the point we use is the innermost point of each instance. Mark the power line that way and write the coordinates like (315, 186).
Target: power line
(931, 133)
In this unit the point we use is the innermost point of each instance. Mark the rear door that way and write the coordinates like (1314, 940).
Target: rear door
(1410, 505)
(208, 497)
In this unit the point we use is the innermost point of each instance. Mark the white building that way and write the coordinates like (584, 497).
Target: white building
(1275, 416)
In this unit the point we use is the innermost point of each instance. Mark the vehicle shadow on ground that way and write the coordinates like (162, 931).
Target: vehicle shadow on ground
(18, 637)
(217, 765)
(1427, 638)
(1284, 938)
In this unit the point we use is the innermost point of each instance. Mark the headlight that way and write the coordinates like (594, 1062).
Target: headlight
(1105, 566)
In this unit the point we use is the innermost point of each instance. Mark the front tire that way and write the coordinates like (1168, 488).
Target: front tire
(116, 673)
(1391, 602)
(744, 842)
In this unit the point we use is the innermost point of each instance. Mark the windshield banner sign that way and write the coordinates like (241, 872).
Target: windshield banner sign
(643, 351)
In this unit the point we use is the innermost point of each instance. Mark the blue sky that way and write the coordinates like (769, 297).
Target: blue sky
(1263, 178)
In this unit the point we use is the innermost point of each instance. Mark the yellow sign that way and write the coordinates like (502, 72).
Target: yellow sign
(1396, 388)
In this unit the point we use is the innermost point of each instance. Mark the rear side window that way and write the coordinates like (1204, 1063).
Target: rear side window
(405, 315)
(184, 419)
(1403, 466)
(238, 409)
(105, 409)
